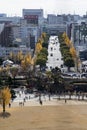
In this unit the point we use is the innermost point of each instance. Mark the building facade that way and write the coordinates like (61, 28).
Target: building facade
(54, 54)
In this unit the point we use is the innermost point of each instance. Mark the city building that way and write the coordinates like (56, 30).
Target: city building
(7, 31)
(31, 26)
(5, 35)
(24, 31)
(6, 51)
(55, 29)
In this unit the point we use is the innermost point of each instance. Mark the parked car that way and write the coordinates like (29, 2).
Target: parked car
(84, 75)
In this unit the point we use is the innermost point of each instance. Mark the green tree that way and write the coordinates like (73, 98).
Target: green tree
(41, 61)
(58, 85)
(69, 62)
(44, 51)
(14, 72)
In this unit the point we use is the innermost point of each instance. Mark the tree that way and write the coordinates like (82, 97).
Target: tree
(14, 72)
(27, 62)
(58, 85)
(44, 51)
(12, 57)
(3, 72)
(73, 52)
(38, 47)
(41, 61)
(42, 57)
(19, 56)
(5, 96)
(69, 62)
(66, 39)
(67, 50)
(43, 36)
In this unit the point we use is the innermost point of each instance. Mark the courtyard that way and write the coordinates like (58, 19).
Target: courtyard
(57, 116)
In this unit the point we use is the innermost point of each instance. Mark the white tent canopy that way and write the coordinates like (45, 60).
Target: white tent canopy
(7, 62)
(84, 62)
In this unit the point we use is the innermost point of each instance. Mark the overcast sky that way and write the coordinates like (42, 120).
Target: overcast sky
(14, 7)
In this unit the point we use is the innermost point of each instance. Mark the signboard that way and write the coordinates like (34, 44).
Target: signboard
(31, 19)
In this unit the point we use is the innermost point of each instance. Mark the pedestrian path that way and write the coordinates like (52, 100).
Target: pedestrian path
(32, 100)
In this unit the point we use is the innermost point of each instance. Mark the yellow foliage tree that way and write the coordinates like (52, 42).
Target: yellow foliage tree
(64, 35)
(73, 52)
(12, 56)
(20, 56)
(4, 71)
(38, 47)
(68, 42)
(66, 39)
(43, 35)
(5, 96)
(32, 61)
(26, 62)
(28, 59)
(40, 40)
(72, 49)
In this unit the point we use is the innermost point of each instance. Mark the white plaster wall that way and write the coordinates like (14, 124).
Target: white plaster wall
(54, 54)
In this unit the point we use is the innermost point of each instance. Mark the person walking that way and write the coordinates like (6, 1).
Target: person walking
(9, 105)
(41, 103)
(65, 100)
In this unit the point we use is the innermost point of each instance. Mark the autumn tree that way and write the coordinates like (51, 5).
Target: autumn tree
(5, 96)
(27, 62)
(66, 39)
(73, 52)
(41, 51)
(67, 50)
(19, 56)
(43, 35)
(38, 47)
(4, 71)
(75, 57)
(12, 57)
(14, 72)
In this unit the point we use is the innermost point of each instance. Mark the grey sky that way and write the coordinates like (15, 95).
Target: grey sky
(14, 7)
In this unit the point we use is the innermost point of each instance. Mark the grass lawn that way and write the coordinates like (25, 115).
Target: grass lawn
(61, 117)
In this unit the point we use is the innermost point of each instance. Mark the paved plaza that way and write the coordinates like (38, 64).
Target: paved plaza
(53, 114)
(33, 100)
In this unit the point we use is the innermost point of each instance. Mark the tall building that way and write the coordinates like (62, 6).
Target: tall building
(31, 25)
(51, 19)
(8, 32)
(3, 15)
(54, 24)
(5, 35)
(33, 16)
